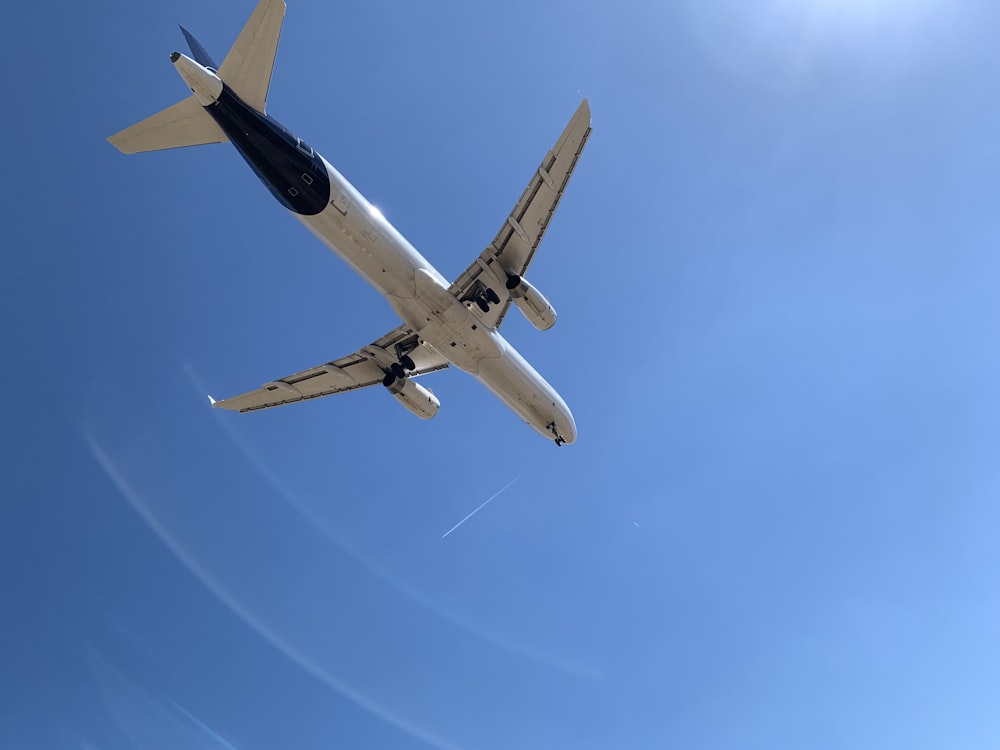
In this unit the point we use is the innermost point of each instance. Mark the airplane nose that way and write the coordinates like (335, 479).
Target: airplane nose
(564, 426)
(569, 431)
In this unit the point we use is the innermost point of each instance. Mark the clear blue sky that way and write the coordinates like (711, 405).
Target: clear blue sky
(776, 270)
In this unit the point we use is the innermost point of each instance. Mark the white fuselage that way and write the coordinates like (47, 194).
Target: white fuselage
(358, 233)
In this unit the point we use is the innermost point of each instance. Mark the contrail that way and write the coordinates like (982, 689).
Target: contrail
(491, 497)
(203, 726)
(348, 548)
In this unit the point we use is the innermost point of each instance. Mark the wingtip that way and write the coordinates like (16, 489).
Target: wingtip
(211, 400)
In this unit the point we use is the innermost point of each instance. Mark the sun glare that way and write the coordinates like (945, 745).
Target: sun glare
(858, 9)
(781, 44)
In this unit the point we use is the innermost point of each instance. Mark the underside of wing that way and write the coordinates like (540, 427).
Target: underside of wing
(512, 250)
(366, 367)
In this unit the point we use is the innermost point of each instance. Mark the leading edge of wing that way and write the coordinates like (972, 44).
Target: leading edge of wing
(365, 367)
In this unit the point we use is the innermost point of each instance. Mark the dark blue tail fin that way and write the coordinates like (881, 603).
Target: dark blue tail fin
(199, 52)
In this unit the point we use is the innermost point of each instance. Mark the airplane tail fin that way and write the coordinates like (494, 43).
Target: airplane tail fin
(246, 69)
(198, 52)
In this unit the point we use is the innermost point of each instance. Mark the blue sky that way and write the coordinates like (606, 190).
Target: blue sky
(776, 271)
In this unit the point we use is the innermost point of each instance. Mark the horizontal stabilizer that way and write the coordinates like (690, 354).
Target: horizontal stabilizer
(184, 124)
(248, 64)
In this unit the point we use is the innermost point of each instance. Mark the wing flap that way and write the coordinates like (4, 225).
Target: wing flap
(515, 244)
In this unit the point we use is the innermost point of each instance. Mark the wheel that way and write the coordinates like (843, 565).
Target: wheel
(407, 363)
(389, 379)
(492, 296)
(483, 304)
(397, 370)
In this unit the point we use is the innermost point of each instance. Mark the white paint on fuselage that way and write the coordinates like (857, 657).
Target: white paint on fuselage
(358, 233)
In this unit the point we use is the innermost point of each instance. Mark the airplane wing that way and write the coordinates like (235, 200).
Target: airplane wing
(515, 244)
(364, 368)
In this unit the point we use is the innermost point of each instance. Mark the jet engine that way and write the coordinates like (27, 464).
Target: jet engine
(413, 396)
(532, 303)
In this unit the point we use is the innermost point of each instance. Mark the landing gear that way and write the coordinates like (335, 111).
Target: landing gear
(399, 370)
(559, 439)
(483, 296)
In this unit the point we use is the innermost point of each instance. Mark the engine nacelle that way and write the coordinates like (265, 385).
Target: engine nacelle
(532, 303)
(414, 397)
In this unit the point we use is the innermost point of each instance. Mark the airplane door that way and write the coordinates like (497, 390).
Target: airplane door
(342, 202)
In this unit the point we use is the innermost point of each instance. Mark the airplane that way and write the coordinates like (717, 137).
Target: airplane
(443, 324)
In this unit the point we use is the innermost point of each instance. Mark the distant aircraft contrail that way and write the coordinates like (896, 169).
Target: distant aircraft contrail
(491, 498)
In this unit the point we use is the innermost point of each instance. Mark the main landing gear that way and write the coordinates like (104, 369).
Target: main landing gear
(398, 370)
(486, 297)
